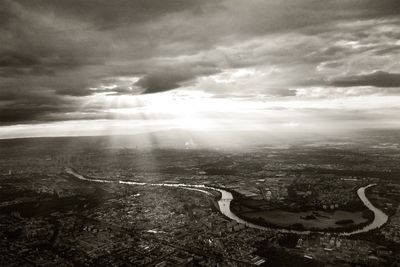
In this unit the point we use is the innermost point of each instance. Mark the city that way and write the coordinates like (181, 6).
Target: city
(51, 217)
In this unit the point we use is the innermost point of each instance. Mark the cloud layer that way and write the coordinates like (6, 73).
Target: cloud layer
(57, 57)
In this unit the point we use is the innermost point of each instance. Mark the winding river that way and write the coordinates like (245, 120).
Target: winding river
(380, 218)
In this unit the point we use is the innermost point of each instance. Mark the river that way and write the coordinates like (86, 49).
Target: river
(380, 218)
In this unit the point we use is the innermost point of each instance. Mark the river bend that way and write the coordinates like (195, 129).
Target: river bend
(380, 218)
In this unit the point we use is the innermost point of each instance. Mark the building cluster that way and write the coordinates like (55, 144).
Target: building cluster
(47, 218)
(336, 249)
(326, 192)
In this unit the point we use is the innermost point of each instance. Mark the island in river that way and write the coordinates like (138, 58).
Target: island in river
(315, 220)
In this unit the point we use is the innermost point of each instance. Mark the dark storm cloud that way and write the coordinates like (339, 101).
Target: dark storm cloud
(54, 54)
(106, 15)
(172, 77)
(31, 104)
(27, 113)
(14, 59)
(388, 50)
(376, 79)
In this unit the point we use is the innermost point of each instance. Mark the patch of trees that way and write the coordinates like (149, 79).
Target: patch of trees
(300, 227)
(344, 222)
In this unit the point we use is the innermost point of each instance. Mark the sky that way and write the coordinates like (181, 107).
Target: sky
(100, 67)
